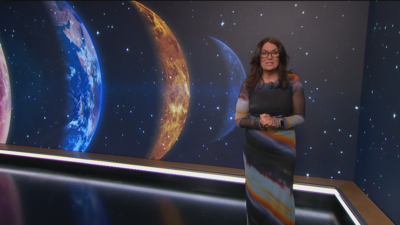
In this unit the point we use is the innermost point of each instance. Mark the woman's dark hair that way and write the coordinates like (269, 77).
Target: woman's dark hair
(256, 70)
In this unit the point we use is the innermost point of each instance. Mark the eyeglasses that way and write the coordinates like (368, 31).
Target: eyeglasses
(265, 54)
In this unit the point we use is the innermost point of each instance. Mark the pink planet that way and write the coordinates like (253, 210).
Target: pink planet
(5, 99)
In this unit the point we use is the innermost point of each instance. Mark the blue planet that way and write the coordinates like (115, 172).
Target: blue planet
(234, 81)
(83, 79)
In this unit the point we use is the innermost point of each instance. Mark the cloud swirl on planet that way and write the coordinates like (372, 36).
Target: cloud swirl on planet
(84, 78)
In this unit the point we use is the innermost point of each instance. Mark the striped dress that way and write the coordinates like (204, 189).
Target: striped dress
(270, 154)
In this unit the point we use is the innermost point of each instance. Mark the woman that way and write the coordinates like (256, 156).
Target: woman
(271, 102)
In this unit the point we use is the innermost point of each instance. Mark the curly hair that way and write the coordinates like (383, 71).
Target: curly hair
(256, 70)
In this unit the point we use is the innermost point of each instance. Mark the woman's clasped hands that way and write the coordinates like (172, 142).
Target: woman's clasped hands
(266, 121)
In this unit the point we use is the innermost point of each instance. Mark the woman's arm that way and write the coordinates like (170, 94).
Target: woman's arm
(242, 111)
(299, 106)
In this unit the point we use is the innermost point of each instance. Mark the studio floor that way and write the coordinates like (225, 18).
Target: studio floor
(41, 191)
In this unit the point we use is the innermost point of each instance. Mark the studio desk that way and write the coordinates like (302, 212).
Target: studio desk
(50, 186)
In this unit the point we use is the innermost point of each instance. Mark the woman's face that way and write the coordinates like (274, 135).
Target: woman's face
(269, 57)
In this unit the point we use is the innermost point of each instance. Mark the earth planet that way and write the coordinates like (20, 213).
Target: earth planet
(84, 78)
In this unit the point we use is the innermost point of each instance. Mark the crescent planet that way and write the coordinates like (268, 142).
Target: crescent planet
(5, 99)
(234, 80)
(84, 77)
(176, 89)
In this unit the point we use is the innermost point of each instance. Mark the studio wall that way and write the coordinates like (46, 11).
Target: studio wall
(93, 76)
(378, 152)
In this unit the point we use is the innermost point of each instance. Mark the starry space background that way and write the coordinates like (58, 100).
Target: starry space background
(350, 129)
(326, 42)
(378, 152)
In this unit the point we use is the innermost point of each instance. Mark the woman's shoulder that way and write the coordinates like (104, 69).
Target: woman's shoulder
(293, 77)
(294, 81)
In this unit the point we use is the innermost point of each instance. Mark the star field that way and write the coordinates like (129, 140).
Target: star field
(378, 152)
(349, 77)
(324, 92)
(327, 60)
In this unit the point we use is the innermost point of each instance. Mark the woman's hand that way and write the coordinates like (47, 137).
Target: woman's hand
(269, 122)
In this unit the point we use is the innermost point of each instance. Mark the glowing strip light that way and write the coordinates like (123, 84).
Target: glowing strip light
(320, 190)
(201, 175)
(330, 191)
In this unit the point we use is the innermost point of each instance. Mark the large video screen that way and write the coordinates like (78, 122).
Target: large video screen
(160, 79)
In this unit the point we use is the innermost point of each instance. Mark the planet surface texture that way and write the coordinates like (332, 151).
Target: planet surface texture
(5, 99)
(84, 78)
(176, 89)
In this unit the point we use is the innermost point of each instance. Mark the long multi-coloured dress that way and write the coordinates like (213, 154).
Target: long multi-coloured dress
(270, 154)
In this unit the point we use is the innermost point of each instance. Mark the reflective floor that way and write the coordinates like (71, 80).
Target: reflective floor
(43, 198)
(41, 191)
(36, 196)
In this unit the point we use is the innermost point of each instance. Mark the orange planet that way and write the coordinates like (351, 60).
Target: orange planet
(176, 93)
(5, 99)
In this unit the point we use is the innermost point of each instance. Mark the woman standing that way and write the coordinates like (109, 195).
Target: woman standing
(271, 102)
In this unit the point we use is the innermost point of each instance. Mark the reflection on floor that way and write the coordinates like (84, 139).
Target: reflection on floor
(36, 196)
